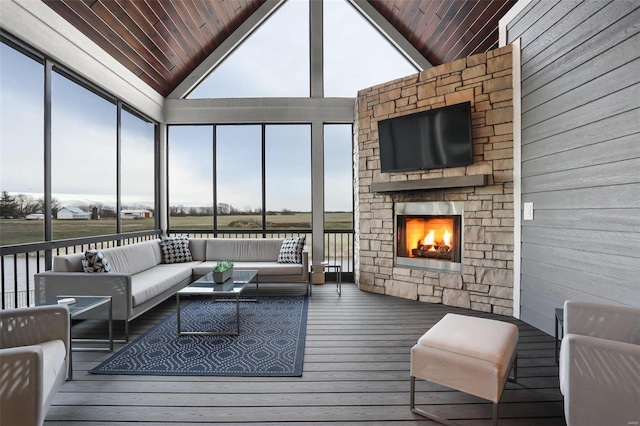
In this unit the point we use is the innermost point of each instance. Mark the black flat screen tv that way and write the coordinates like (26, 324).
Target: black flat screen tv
(434, 139)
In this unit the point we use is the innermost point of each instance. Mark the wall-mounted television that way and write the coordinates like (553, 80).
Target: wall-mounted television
(434, 139)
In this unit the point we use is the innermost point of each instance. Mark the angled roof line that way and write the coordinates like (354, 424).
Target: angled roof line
(225, 49)
(368, 12)
(390, 33)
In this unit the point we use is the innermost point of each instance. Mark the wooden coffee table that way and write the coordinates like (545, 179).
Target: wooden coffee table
(205, 286)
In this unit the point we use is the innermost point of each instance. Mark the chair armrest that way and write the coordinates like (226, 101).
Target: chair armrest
(34, 325)
(51, 284)
(600, 380)
(21, 390)
(621, 323)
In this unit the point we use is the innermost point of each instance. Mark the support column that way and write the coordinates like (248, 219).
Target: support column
(162, 206)
(316, 66)
(317, 201)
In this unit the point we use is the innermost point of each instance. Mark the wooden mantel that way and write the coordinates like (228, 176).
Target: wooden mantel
(426, 184)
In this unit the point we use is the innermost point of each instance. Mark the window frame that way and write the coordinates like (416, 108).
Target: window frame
(50, 66)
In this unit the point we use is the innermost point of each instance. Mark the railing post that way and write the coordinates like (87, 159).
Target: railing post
(48, 260)
(2, 282)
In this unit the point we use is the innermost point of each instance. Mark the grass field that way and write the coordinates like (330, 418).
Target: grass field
(20, 231)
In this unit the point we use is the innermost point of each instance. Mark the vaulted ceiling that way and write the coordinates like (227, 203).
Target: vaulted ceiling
(163, 41)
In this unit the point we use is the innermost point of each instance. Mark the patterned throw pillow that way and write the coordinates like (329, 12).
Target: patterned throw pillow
(94, 261)
(175, 249)
(291, 250)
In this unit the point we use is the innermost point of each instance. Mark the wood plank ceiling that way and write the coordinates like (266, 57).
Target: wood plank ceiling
(163, 41)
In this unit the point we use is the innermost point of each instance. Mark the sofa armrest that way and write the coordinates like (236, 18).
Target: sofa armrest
(34, 325)
(21, 391)
(621, 323)
(51, 284)
(600, 380)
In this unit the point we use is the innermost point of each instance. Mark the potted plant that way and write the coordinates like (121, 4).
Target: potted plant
(222, 271)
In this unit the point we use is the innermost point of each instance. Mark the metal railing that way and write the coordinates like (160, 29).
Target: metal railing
(19, 263)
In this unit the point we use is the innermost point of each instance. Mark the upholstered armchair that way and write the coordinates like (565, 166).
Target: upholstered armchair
(600, 364)
(34, 361)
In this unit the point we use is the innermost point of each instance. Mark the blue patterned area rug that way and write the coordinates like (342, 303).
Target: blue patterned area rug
(270, 344)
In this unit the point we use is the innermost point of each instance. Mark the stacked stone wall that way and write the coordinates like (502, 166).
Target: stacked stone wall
(486, 281)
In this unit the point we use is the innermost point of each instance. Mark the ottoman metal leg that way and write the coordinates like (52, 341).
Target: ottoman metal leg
(514, 377)
(423, 413)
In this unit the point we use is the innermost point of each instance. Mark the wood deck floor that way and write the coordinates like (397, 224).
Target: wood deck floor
(356, 371)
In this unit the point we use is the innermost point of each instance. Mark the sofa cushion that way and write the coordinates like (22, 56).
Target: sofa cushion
(132, 258)
(150, 283)
(244, 250)
(291, 250)
(68, 263)
(191, 264)
(198, 248)
(175, 249)
(263, 268)
(94, 261)
(157, 251)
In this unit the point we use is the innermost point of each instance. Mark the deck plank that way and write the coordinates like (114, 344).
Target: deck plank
(356, 371)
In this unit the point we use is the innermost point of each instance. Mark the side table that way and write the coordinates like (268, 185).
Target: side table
(559, 330)
(83, 305)
(326, 265)
(337, 267)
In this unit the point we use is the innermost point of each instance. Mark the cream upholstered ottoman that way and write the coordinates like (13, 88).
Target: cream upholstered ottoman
(469, 354)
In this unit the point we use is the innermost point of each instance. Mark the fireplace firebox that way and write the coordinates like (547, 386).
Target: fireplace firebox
(429, 235)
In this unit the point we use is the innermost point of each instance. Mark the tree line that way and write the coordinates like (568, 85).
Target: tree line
(20, 206)
(223, 209)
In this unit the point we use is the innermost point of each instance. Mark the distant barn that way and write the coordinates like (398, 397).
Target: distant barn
(73, 213)
(135, 214)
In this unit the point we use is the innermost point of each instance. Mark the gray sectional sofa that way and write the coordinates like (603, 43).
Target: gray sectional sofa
(139, 280)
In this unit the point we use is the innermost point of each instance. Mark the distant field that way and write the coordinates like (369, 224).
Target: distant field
(239, 222)
(19, 231)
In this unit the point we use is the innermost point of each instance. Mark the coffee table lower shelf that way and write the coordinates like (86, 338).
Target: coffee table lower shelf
(230, 289)
(209, 333)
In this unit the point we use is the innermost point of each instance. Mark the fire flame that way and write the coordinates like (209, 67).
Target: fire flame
(432, 235)
(429, 240)
(447, 238)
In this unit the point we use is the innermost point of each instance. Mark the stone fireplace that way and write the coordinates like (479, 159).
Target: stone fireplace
(428, 235)
(395, 255)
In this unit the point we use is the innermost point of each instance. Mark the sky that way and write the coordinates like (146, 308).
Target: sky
(274, 61)
(83, 138)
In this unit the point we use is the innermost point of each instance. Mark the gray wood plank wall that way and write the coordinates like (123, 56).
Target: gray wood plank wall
(580, 154)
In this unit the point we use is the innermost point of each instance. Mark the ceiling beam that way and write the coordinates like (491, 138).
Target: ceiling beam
(389, 32)
(225, 48)
(259, 110)
(316, 49)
